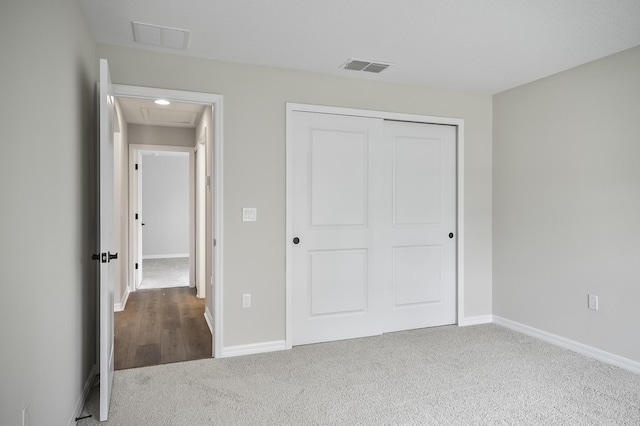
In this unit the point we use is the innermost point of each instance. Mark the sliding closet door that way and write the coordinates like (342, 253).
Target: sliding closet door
(336, 272)
(419, 228)
(373, 217)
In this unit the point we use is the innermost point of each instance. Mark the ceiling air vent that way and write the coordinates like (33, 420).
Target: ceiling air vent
(368, 66)
(155, 35)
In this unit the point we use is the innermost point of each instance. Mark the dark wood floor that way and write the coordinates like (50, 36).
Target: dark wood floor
(160, 326)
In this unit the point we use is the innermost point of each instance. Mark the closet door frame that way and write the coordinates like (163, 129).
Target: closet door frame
(458, 123)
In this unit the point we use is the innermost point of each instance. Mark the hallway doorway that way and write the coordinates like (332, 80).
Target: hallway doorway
(161, 318)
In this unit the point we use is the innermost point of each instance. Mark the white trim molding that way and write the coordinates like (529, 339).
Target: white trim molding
(572, 345)
(164, 256)
(476, 320)
(83, 396)
(208, 318)
(119, 306)
(253, 348)
(457, 122)
(134, 198)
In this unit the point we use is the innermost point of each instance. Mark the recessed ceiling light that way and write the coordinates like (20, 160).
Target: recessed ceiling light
(162, 102)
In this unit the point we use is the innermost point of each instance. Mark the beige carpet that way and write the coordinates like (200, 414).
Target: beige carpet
(165, 273)
(480, 375)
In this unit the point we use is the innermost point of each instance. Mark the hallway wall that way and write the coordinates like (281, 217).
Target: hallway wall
(165, 205)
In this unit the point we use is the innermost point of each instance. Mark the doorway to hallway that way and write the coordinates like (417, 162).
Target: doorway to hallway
(163, 206)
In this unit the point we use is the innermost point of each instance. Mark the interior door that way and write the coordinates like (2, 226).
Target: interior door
(336, 289)
(200, 219)
(106, 164)
(138, 221)
(419, 228)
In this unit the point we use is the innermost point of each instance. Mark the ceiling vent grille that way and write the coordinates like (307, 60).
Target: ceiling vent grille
(154, 35)
(367, 66)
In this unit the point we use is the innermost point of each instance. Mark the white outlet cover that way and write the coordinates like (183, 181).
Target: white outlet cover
(249, 214)
(593, 302)
(246, 300)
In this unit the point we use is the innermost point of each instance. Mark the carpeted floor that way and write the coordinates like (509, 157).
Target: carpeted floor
(165, 273)
(480, 375)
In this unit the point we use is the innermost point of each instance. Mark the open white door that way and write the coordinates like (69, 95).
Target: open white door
(107, 113)
(138, 220)
(201, 213)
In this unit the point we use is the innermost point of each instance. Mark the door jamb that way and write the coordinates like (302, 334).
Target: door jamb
(216, 101)
(457, 122)
(134, 176)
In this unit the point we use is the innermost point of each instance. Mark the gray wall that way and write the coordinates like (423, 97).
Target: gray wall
(254, 168)
(566, 203)
(47, 219)
(165, 205)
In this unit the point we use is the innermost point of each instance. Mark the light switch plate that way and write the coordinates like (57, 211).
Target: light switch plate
(249, 214)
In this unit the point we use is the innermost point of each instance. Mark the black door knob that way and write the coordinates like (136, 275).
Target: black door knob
(450, 234)
(112, 256)
(296, 240)
(95, 256)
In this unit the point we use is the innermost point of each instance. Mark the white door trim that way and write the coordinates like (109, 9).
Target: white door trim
(134, 199)
(216, 101)
(459, 123)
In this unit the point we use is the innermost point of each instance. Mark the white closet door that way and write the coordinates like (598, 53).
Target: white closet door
(374, 224)
(336, 270)
(418, 232)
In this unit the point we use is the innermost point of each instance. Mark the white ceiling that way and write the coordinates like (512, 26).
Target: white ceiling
(145, 111)
(483, 46)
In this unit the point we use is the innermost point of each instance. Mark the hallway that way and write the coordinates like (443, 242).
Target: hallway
(161, 326)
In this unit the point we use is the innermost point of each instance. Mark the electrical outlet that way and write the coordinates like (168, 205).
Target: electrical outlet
(593, 302)
(246, 300)
(26, 415)
(249, 214)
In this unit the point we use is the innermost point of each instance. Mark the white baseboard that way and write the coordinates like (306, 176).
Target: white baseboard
(164, 256)
(572, 345)
(254, 348)
(83, 396)
(119, 306)
(209, 319)
(479, 319)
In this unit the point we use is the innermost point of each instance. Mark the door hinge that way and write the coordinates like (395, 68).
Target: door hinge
(136, 166)
(136, 265)
(136, 216)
